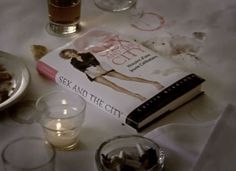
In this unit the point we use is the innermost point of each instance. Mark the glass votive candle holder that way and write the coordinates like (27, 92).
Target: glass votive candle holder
(62, 116)
(129, 152)
(28, 153)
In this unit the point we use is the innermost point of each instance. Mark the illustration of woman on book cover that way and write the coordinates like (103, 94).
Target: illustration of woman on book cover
(88, 64)
(105, 42)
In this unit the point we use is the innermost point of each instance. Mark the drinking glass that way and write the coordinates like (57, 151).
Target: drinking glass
(28, 153)
(62, 116)
(114, 5)
(64, 17)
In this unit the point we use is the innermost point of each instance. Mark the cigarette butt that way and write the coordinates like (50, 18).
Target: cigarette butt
(5, 76)
(140, 149)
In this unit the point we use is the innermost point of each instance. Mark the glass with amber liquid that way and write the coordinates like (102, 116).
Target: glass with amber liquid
(64, 16)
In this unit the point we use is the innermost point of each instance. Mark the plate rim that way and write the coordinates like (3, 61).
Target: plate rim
(24, 83)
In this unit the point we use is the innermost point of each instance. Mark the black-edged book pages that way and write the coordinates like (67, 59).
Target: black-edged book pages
(120, 76)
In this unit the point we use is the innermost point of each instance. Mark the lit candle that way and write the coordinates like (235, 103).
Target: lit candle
(61, 133)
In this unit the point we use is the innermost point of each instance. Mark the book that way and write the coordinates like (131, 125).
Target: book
(120, 76)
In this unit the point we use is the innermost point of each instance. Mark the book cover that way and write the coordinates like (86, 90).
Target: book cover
(120, 76)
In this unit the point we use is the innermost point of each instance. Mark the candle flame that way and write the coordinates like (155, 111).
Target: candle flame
(58, 127)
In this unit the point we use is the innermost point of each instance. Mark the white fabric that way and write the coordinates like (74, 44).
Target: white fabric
(182, 143)
(219, 153)
(204, 147)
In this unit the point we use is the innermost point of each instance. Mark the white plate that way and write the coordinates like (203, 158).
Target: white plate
(20, 78)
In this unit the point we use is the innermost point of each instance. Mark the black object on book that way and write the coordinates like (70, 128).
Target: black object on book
(167, 100)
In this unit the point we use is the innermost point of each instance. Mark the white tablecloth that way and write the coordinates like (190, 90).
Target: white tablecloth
(23, 22)
(199, 147)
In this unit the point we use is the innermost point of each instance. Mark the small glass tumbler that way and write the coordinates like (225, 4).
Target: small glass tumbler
(62, 116)
(64, 17)
(28, 153)
(129, 152)
(114, 5)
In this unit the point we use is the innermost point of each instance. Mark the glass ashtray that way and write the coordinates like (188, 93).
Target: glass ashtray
(129, 153)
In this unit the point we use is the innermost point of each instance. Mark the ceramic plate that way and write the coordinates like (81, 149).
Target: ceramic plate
(20, 78)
